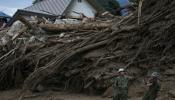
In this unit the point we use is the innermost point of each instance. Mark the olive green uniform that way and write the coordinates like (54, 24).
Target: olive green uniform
(151, 94)
(120, 87)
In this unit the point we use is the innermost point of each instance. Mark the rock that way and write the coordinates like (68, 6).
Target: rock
(32, 39)
(62, 35)
(15, 28)
(4, 40)
(172, 93)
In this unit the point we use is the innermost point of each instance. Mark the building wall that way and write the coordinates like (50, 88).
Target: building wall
(80, 7)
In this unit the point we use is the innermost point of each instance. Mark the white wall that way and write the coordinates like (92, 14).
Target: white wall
(81, 7)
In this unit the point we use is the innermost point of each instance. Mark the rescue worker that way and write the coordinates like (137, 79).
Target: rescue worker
(153, 85)
(120, 85)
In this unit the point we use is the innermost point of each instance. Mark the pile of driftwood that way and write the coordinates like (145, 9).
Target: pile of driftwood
(82, 59)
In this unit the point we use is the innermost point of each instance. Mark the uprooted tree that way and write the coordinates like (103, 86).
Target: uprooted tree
(87, 60)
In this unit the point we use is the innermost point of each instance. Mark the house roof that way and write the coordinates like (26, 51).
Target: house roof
(51, 7)
(29, 13)
(58, 7)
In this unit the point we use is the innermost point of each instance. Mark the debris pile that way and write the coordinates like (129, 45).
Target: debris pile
(83, 59)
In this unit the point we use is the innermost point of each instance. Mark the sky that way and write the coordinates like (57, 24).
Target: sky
(10, 6)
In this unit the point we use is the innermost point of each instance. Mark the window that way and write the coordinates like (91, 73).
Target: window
(79, 1)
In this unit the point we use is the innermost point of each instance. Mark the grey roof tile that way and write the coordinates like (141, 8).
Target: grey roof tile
(54, 7)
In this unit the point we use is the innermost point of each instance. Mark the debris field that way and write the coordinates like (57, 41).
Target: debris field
(82, 57)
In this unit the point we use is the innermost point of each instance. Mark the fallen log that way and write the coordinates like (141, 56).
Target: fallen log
(82, 26)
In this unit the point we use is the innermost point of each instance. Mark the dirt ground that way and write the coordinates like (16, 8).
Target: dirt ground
(50, 95)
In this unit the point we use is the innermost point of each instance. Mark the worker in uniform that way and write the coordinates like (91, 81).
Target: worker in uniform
(153, 86)
(120, 86)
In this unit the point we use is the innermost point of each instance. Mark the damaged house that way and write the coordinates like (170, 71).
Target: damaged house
(68, 8)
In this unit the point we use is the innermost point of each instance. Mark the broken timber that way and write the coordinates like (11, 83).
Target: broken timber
(82, 26)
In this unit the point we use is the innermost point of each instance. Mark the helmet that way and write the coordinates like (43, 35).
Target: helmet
(121, 70)
(154, 74)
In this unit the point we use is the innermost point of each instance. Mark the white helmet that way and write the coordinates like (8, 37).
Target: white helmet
(154, 74)
(121, 70)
